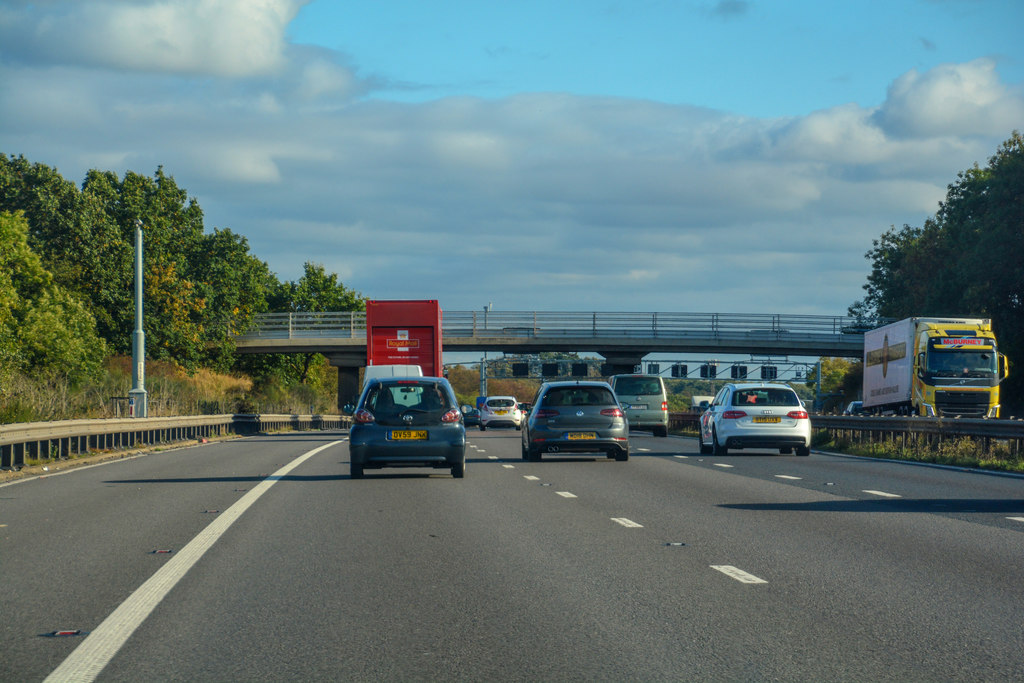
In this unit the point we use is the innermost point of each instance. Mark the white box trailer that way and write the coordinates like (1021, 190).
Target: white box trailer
(889, 363)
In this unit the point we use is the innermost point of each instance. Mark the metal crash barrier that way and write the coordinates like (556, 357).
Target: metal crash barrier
(47, 441)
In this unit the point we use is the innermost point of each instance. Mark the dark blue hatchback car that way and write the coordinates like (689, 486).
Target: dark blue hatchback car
(407, 422)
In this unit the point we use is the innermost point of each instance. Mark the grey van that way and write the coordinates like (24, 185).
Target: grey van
(644, 401)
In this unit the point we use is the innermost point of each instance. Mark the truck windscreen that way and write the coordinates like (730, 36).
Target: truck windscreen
(962, 362)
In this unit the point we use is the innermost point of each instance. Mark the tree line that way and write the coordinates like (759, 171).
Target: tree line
(67, 278)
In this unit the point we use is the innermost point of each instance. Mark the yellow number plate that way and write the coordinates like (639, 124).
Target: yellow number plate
(573, 436)
(409, 435)
(767, 420)
(501, 412)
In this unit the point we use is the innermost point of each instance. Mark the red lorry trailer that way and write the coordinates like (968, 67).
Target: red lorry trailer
(404, 332)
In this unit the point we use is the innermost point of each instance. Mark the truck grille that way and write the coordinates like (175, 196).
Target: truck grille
(962, 403)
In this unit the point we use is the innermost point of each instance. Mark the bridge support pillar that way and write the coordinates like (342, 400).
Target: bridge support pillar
(620, 363)
(348, 376)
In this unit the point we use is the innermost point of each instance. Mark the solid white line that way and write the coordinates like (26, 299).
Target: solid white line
(644, 450)
(627, 522)
(531, 477)
(722, 464)
(87, 660)
(565, 494)
(738, 574)
(883, 494)
(786, 476)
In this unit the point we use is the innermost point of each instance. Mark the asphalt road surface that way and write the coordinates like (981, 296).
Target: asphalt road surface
(259, 559)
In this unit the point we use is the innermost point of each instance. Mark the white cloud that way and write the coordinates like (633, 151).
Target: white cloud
(951, 99)
(215, 37)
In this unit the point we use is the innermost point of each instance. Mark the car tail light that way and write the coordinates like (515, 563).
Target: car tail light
(797, 414)
(363, 416)
(451, 416)
(612, 412)
(545, 413)
(664, 405)
(733, 414)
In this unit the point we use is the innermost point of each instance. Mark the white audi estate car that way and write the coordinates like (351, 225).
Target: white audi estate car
(765, 416)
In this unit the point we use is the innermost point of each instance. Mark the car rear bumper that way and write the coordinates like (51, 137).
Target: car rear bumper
(499, 422)
(563, 445)
(767, 441)
(372, 450)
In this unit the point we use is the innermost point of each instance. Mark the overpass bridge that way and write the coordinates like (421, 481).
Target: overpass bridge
(621, 338)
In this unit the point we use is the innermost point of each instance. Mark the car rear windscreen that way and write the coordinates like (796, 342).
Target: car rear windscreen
(500, 402)
(637, 386)
(765, 397)
(394, 397)
(578, 396)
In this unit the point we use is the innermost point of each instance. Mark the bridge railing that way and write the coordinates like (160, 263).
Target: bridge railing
(574, 324)
(292, 325)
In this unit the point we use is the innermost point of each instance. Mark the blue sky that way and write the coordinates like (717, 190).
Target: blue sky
(714, 156)
(778, 58)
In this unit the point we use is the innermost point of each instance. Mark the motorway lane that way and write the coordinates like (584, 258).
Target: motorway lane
(847, 567)
(410, 574)
(74, 545)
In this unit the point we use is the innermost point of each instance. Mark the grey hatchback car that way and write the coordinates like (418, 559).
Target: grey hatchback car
(575, 417)
(407, 422)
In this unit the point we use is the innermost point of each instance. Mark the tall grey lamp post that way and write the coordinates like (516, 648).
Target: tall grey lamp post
(137, 396)
(483, 363)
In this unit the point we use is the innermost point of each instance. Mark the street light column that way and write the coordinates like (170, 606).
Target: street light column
(137, 395)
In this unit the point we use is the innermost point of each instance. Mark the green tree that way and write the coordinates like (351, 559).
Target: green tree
(965, 261)
(235, 286)
(45, 330)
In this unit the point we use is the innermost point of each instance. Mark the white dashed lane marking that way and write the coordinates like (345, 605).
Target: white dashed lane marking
(627, 522)
(531, 477)
(786, 476)
(565, 494)
(883, 494)
(738, 574)
(722, 464)
(509, 467)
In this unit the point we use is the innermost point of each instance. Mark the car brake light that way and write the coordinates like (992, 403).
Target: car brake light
(363, 416)
(451, 416)
(733, 414)
(797, 414)
(545, 413)
(612, 412)
(664, 405)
